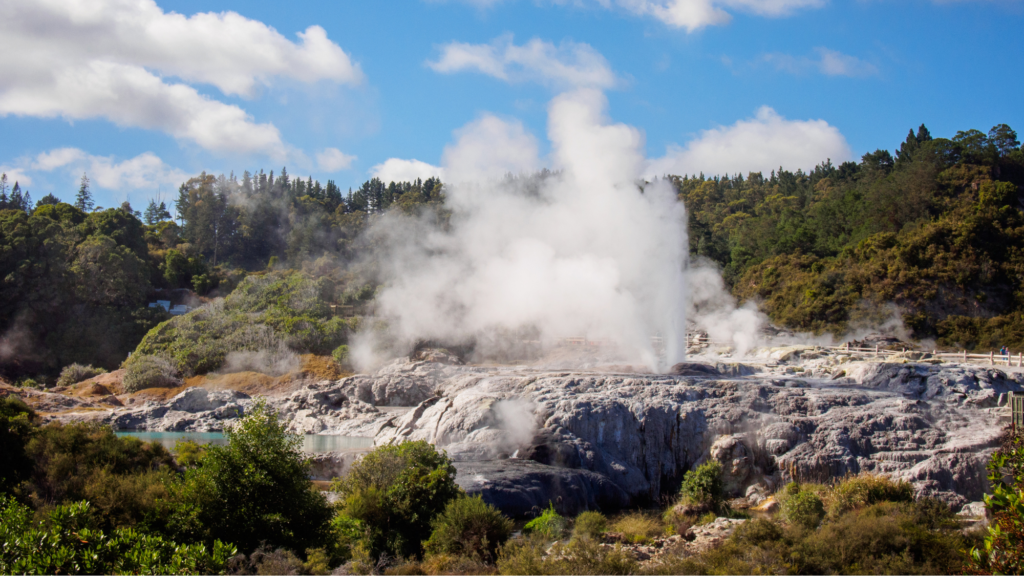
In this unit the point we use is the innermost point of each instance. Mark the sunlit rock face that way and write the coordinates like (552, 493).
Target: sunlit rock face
(600, 437)
(932, 425)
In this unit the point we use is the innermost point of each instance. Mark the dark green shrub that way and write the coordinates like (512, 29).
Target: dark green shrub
(75, 373)
(202, 283)
(142, 372)
(124, 479)
(253, 491)
(17, 423)
(469, 527)
(703, 485)
(802, 507)
(68, 543)
(549, 524)
(590, 524)
(394, 492)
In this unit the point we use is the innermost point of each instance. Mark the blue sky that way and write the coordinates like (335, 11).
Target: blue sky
(141, 98)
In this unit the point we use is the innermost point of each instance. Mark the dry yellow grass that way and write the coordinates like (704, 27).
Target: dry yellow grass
(322, 367)
(638, 527)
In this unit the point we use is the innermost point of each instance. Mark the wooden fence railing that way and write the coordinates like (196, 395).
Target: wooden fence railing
(963, 357)
(1017, 409)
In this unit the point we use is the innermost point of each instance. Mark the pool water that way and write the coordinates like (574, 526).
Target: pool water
(311, 443)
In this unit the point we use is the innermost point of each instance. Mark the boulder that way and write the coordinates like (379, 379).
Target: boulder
(331, 465)
(694, 369)
(523, 488)
(197, 399)
(736, 461)
(973, 510)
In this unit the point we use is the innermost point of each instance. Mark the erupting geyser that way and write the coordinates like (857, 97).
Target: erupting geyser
(586, 251)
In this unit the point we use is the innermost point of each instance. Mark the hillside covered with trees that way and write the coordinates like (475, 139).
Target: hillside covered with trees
(934, 230)
(932, 233)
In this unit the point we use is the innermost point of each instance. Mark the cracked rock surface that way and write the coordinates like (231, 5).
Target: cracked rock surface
(523, 436)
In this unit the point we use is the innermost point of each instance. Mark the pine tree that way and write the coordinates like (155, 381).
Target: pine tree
(182, 203)
(163, 213)
(282, 180)
(247, 183)
(83, 200)
(3, 191)
(150, 215)
(332, 194)
(923, 135)
(17, 200)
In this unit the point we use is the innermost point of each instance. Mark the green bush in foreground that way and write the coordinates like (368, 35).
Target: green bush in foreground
(254, 491)
(549, 524)
(16, 427)
(124, 479)
(802, 507)
(394, 492)
(469, 527)
(67, 544)
(703, 485)
(75, 373)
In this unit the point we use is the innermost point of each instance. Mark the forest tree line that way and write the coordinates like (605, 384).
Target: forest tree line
(934, 230)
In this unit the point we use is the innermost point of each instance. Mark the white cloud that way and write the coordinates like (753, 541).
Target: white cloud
(758, 144)
(333, 160)
(834, 63)
(489, 148)
(689, 14)
(57, 158)
(567, 65)
(16, 175)
(828, 62)
(696, 14)
(399, 170)
(112, 59)
(143, 172)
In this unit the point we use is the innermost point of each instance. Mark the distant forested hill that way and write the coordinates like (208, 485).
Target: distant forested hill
(936, 229)
(933, 234)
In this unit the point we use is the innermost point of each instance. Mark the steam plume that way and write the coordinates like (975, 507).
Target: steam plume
(582, 252)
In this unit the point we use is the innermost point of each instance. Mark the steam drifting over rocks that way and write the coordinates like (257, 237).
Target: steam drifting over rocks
(590, 438)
